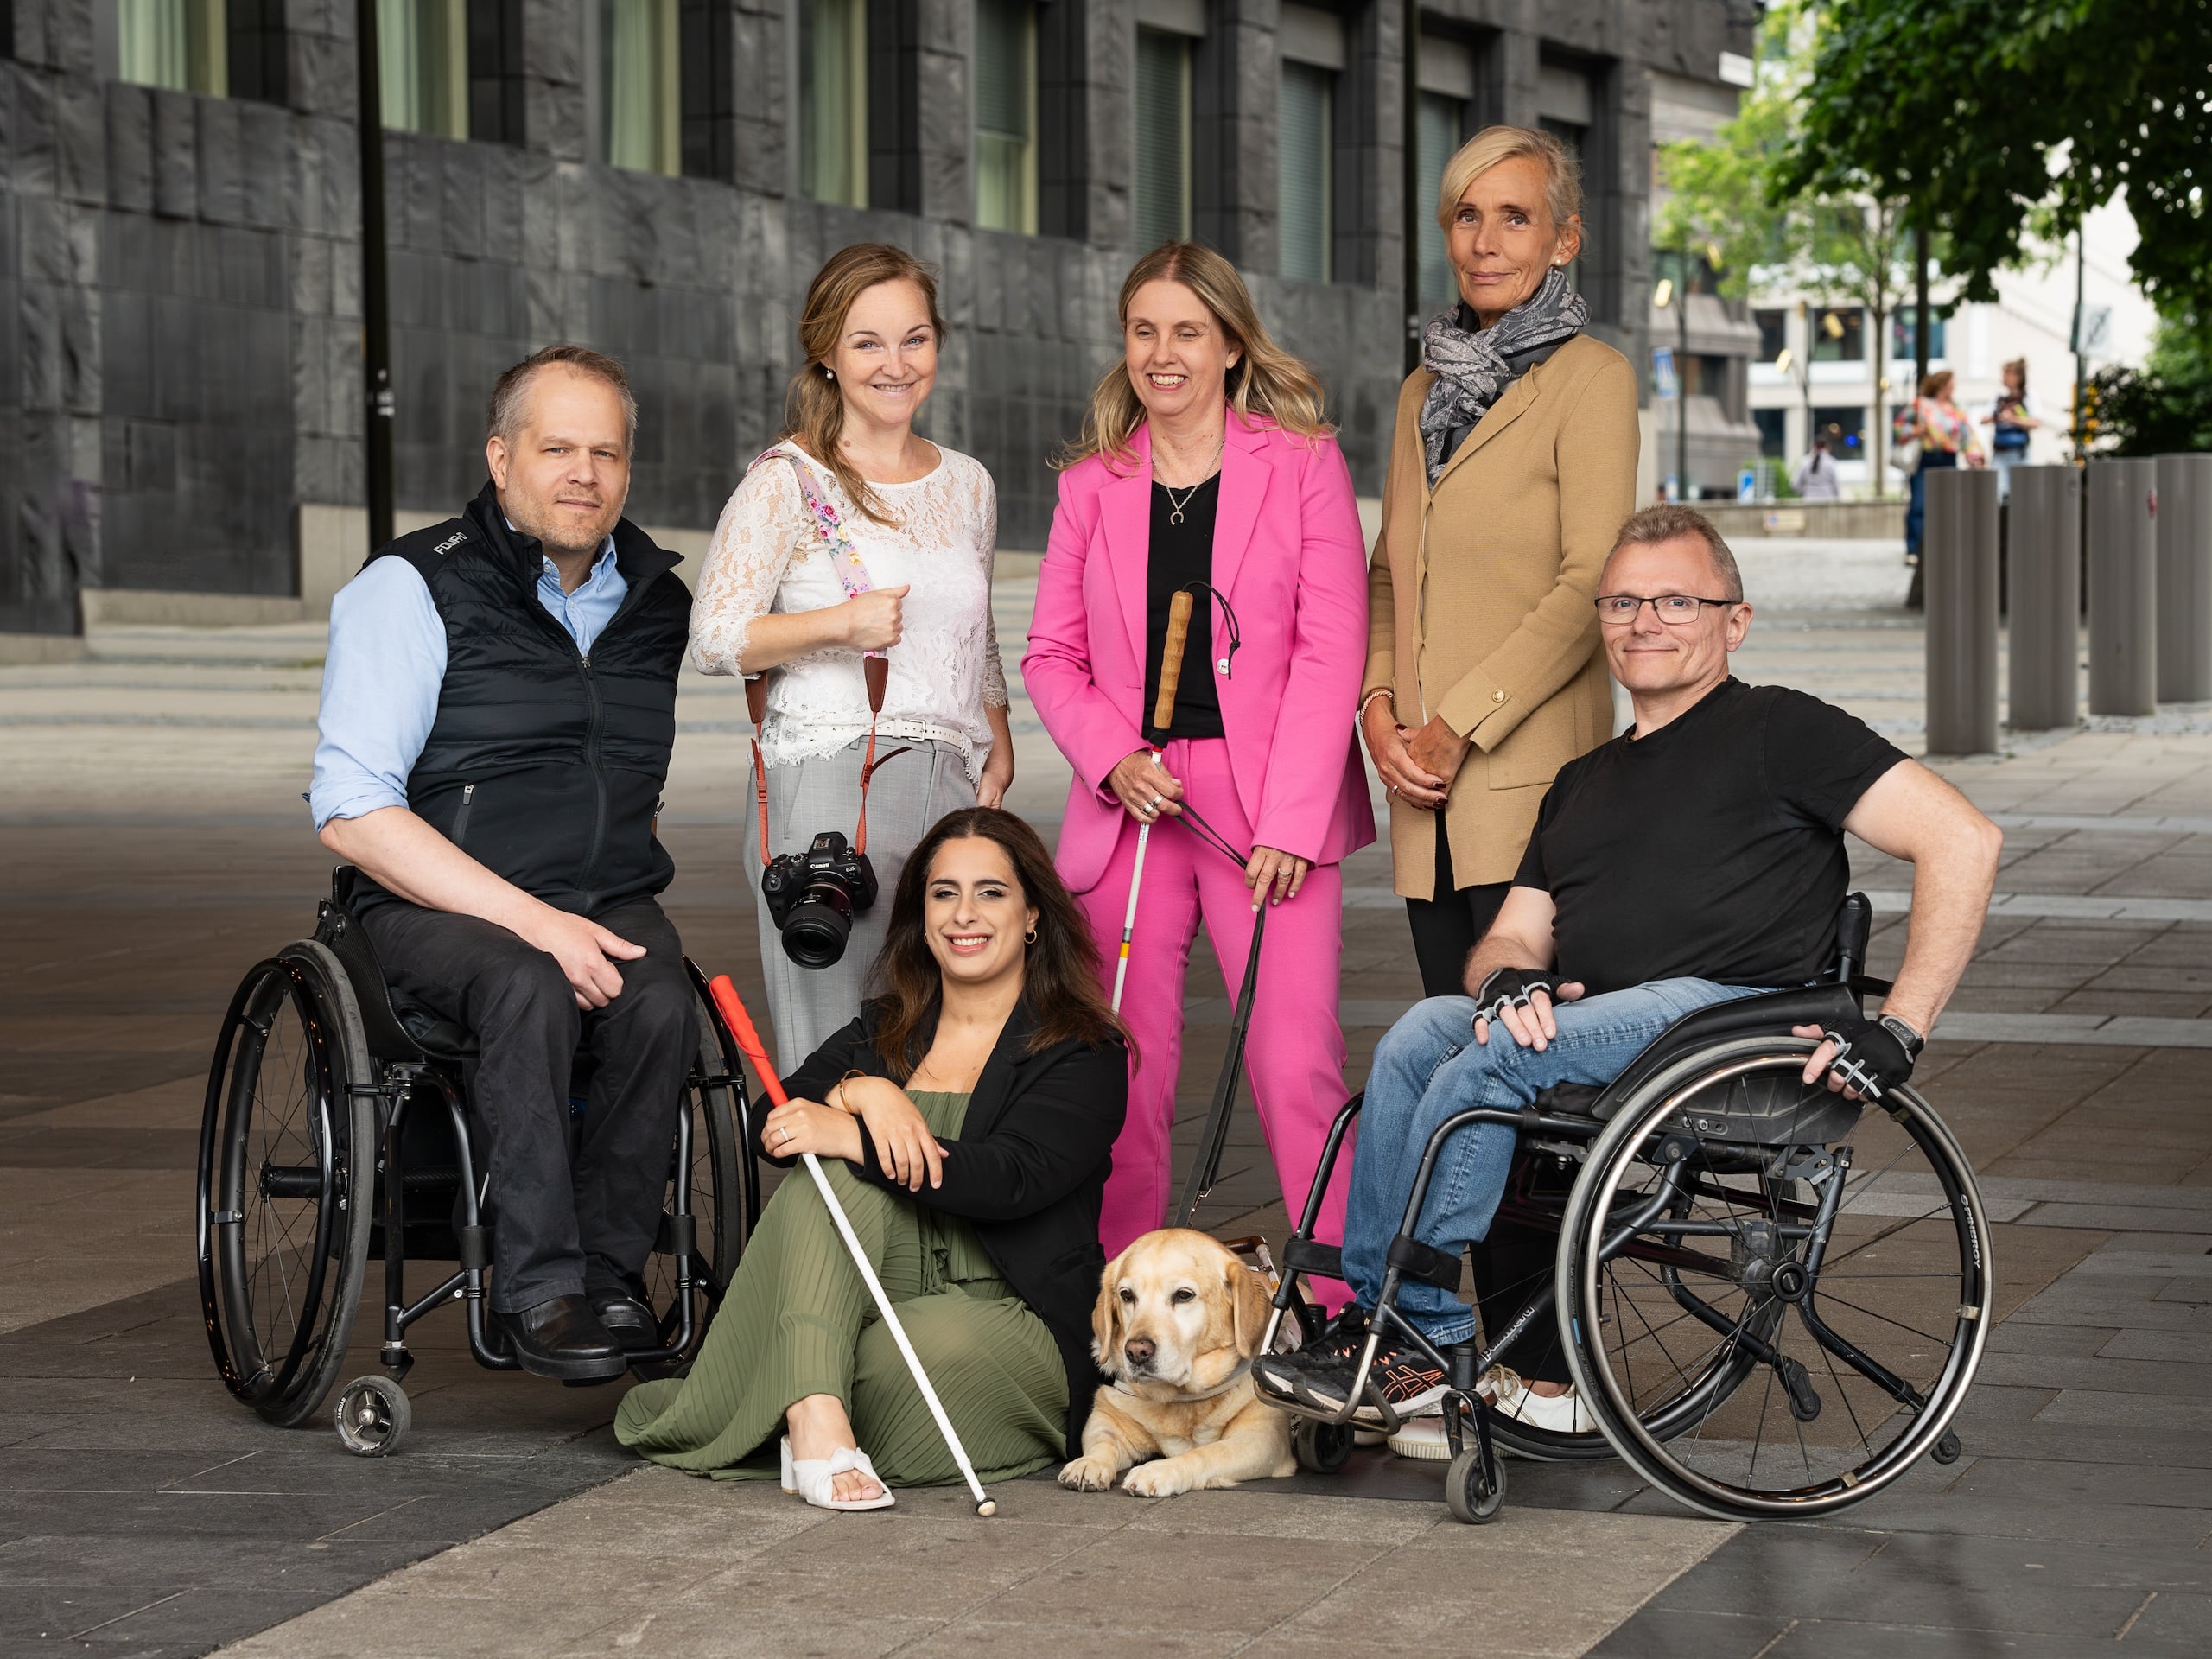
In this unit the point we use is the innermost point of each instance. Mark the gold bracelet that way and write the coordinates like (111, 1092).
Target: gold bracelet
(1379, 691)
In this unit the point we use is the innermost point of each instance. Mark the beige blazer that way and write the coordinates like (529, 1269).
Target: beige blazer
(1479, 599)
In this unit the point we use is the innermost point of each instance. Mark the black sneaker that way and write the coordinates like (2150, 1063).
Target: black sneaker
(1326, 1374)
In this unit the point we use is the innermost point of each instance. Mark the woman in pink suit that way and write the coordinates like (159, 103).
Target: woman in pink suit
(1205, 467)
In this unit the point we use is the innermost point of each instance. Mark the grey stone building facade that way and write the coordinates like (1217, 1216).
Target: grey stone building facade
(180, 272)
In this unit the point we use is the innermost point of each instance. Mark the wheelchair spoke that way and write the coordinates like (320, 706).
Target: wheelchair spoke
(1943, 1342)
(1844, 1394)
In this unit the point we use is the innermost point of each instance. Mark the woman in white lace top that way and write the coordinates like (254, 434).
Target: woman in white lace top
(892, 556)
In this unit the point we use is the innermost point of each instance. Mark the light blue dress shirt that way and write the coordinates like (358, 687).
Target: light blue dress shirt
(386, 660)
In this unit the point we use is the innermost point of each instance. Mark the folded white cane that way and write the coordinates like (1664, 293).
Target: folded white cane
(1163, 717)
(749, 1039)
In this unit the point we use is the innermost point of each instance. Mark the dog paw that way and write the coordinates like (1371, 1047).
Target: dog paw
(1090, 1474)
(1161, 1479)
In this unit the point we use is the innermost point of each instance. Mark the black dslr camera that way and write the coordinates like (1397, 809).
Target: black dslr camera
(813, 896)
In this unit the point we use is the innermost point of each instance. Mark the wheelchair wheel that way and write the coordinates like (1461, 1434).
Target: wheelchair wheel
(1474, 1494)
(287, 1159)
(373, 1416)
(1779, 1327)
(722, 1202)
(1321, 1448)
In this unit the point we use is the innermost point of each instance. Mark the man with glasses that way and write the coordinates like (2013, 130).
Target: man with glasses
(1698, 856)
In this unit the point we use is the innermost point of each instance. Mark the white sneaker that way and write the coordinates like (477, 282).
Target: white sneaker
(1422, 1437)
(1558, 1414)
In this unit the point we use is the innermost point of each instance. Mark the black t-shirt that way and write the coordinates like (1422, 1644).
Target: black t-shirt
(1183, 554)
(1711, 850)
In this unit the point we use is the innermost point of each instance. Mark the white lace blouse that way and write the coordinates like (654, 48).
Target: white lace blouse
(768, 556)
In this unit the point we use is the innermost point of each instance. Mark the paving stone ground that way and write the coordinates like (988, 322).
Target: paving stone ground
(155, 848)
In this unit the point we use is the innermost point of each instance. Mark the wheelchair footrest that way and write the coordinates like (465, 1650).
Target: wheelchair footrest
(1425, 1263)
(1310, 1255)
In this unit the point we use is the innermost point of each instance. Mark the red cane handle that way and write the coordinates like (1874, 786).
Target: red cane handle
(748, 1037)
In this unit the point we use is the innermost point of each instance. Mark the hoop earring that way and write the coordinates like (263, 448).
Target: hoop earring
(1030, 936)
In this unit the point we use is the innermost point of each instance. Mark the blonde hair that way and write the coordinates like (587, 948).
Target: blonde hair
(814, 409)
(1265, 383)
(1563, 173)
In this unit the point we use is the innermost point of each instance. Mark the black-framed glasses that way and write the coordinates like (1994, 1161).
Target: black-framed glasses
(1619, 610)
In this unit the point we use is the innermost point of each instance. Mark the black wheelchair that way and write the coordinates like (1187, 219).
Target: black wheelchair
(1771, 1299)
(336, 1128)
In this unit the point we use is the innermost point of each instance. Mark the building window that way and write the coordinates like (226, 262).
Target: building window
(640, 99)
(1901, 345)
(1439, 124)
(422, 66)
(1844, 427)
(833, 100)
(181, 44)
(1839, 336)
(1774, 333)
(1304, 150)
(1162, 205)
(1774, 430)
(1005, 116)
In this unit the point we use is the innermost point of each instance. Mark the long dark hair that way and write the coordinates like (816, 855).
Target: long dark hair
(1060, 985)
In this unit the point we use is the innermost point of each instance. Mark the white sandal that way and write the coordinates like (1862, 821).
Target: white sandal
(814, 1479)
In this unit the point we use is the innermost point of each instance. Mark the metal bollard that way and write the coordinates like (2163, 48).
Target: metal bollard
(2184, 537)
(1958, 555)
(2044, 677)
(2123, 587)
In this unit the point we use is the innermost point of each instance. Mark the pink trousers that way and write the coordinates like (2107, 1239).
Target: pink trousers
(1294, 1055)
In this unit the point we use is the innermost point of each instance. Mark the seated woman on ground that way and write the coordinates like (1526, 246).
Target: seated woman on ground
(965, 1121)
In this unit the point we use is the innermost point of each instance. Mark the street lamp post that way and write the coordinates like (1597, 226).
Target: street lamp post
(1663, 297)
(1409, 135)
(376, 296)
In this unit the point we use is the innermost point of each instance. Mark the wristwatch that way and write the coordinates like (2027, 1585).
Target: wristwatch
(1913, 1041)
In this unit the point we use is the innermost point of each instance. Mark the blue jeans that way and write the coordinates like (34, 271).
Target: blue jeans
(1428, 1067)
(1916, 511)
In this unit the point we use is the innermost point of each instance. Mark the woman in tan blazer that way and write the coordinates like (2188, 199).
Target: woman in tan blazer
(1513, 464)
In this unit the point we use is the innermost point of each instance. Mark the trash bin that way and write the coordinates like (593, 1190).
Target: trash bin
(2123, 574)
(2044, 555)
(2185, 538)
(1958, 554)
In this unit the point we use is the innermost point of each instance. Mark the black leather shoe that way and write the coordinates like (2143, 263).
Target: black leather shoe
(562, 1338)
(628, 1320)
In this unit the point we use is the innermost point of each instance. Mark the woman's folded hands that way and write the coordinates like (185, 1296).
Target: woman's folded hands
(905, 1150)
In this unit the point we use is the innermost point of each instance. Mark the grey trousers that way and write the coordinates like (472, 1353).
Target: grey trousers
(909, 794)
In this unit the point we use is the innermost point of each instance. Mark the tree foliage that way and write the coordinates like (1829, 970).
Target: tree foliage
(1990, 116)
(2165, 407)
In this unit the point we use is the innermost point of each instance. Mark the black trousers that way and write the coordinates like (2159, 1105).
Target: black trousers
(1515, 1263)
(562, 1224)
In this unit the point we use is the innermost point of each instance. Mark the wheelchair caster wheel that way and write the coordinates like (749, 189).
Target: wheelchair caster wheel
(1321, 1447)
(1947, 1449)
(1472, 1496)
(373, 1416)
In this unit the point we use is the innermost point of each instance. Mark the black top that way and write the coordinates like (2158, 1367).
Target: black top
(545, 765)
(1183, 554)
(1029, 1171)
(1711, 850)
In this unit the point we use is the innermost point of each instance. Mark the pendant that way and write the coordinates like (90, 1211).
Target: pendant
(1175, 516)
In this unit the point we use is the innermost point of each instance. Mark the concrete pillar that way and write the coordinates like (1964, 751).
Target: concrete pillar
(2123, 567)
(2045, 560)
(1959, 557)
(2184, 537)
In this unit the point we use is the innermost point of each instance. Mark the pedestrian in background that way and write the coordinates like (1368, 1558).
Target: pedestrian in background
(1512, 465)
(1933, 433)
(853, 535)
(1205, 467)
(2012, 417)
(1816, 478)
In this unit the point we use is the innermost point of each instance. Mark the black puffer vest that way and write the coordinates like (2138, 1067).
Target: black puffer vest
(543, 764)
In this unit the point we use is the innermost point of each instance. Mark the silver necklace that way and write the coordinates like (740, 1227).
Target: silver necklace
(1175, 506)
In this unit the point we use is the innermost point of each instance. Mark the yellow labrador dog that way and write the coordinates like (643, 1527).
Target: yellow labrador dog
(1177, 1320)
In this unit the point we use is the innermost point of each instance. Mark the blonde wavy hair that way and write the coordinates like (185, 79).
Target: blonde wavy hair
(814, 409)
(1563, 173)
(1266, 383)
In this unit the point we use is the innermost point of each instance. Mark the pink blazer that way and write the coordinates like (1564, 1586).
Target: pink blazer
(1288, 552)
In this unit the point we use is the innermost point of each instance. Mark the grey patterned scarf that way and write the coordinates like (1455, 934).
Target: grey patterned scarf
(1473, 368)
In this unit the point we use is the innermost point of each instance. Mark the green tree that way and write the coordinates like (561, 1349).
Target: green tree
(1995, 117)
(2164, 407)
(1738, 200)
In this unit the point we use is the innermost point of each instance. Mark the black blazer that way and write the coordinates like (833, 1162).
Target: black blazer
(1028, 1170)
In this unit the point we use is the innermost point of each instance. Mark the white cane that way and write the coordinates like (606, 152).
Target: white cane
(1163, 717)
(749, 1039)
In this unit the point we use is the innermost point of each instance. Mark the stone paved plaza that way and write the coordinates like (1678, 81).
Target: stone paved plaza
(156, 847)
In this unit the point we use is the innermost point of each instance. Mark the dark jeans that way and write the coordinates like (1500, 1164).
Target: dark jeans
(1513, 1262)
(560, 1226)
(1916, 512)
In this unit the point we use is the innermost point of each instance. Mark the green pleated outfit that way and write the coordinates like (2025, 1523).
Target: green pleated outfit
(798, 1320)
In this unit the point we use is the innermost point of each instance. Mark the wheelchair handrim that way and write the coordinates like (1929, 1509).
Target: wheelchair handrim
(1664, 1097)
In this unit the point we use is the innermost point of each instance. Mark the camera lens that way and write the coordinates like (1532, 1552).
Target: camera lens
(820, 922)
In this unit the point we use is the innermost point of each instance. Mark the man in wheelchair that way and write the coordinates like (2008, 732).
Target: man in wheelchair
(1697, 858)
(498, 711)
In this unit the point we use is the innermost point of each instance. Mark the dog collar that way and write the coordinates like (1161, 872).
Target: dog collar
(1243, 1369)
